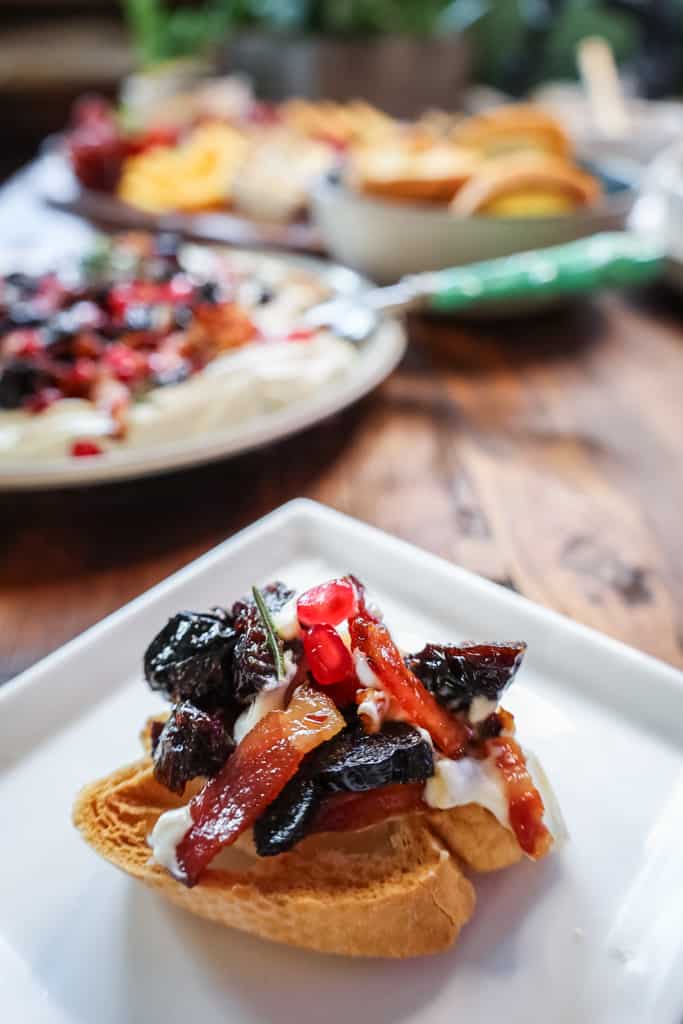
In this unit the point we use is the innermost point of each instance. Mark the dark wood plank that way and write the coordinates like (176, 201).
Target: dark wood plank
(544, 454)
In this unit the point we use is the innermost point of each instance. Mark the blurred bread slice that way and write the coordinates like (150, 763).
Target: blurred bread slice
(405, 170)
(526, 184)
(395, 890)
(513, 128)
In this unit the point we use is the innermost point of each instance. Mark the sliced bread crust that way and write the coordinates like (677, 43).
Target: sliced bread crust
(395, 890)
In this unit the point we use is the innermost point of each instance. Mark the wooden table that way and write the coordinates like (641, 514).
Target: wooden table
(544, 454)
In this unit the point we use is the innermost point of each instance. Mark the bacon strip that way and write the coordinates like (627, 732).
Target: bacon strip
(266, 759)
(421, 708)
(347, 812)
(525, 802)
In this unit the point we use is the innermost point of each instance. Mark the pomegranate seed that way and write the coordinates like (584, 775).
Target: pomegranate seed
(328, 657)
(180, 288)
(343, 693)
(42, 400)
(80, 449)
(26, 343)
(301, 334)
(83, 371)
(124, 363)
(330, 603)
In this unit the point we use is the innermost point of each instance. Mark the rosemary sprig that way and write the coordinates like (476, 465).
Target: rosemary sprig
(271, 633)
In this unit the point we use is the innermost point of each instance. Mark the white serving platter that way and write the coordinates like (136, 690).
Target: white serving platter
(594, 934)
(376, 357)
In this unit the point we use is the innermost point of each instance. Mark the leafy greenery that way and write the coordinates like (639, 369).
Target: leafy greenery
(517, 43)
(274, 642)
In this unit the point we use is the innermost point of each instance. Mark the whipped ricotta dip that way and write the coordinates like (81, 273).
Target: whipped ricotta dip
(252, 381)
(169, 829)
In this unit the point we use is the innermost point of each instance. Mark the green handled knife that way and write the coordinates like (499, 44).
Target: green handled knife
(612, 259)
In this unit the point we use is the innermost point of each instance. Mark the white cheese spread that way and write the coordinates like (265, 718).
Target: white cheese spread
(240, 385)
(272, 698)
(165, 836)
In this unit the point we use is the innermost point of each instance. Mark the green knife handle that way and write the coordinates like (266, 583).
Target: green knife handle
(613, 258)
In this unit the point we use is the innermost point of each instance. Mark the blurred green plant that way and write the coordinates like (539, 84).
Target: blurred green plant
(516, 43)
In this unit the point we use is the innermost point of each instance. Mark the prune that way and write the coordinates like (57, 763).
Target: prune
(351, 762)
(190, 658)
(355, 761)
(288, 819)
(210, 292)
(24, 282)
(139, 318)
(191, 743)
(18, 381)
(253, 661)
(458, 674)
(24, 314)
(167, 244)
(266, 294)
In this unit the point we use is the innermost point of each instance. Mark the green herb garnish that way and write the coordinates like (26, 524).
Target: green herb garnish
(271, 633)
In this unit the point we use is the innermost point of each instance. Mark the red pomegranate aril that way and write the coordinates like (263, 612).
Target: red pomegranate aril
(180, 288)
(328, 603)
(26, 343)
(327, 655)
(42, 400)
(83, 371)
(124, 363)
(301, 334)
(81, 449)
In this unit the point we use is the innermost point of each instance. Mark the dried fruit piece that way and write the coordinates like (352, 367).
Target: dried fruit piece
(420, 707)
(254, 665)
(289, 818)
(352, 761)
(189, 659)
(329, 603)
(266, 759)
(327, 655)
(191, 743)
(456, 674)
(355, 761)
(524, 801)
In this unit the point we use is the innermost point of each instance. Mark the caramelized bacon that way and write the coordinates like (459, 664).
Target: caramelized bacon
(266, 759)
(525, 802)
(347, 812)
(374, 640)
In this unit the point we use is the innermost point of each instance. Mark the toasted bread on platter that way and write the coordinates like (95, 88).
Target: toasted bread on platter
(394, 890)
(412, 172)
(511, 128)
(525, 184)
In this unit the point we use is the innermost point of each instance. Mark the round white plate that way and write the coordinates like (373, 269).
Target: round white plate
(377, 357)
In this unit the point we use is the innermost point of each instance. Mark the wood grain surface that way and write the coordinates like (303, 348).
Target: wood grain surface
(544, 453)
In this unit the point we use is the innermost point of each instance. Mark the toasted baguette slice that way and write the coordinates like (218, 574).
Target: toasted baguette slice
(411, 172)
(513, 128)
(524, 173)
(395, 890)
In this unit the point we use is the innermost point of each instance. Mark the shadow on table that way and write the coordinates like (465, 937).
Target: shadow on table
(479, 346)
(55, 534)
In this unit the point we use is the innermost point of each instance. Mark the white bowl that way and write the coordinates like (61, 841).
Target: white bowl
(386, 240)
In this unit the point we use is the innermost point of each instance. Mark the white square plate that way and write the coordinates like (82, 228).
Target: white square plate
(593, 934)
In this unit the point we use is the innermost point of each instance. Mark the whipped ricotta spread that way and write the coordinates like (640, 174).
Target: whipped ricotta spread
(472, 781)
(249, 382)
(271, 698)
(170, 828)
